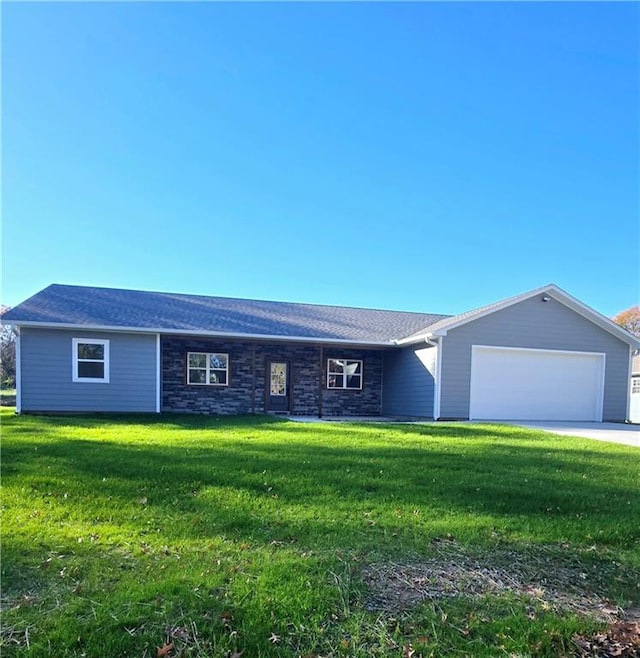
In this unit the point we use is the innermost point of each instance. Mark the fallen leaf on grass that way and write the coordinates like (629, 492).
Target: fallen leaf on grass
(180, 633)
(408, 651)
(622, 639)
(165, 650)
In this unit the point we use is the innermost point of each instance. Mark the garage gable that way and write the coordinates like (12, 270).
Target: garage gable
(541, 323)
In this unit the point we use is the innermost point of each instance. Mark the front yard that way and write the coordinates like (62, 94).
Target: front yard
(190, 536)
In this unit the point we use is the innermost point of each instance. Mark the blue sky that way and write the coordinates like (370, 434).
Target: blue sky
(421, 156)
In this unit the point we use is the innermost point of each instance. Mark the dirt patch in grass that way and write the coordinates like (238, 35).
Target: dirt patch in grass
(552, 578)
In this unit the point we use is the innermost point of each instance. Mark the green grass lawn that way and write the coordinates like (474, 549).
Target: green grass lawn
(219, 536)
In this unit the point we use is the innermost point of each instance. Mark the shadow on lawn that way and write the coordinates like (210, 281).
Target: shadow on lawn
(263, 423)
(303, 487)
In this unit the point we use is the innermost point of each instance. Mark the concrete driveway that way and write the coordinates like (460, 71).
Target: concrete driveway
(614, 432)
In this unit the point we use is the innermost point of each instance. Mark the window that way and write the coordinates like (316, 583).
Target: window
(344, 373)
(635, 385)
(207, 369)
(278, 379)
(90, 360)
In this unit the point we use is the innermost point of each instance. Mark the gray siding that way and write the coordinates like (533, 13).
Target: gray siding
(46, 358)
(408, 384)
(535, 324)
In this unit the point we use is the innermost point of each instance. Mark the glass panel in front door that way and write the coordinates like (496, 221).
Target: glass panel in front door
(278, 379)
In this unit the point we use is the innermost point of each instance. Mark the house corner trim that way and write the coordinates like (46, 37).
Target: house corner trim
(18, 372)
(158, 375)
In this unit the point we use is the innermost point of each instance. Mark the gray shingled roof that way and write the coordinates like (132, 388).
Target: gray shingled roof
(169, 312)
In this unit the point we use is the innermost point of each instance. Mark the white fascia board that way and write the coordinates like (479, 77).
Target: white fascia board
(205, 334)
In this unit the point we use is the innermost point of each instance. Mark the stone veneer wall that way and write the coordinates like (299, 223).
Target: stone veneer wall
(246, 395)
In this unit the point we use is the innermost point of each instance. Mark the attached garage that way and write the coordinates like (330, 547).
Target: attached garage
(510, 383)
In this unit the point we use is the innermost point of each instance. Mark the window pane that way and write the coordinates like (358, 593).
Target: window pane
(90, 351)
(218, 361)
(197, 360)
(336, 366)
(353, 367)
(336, 381)
(197, 376)
(353, 381)
(217, 377)
(91, 369)
(278, 379)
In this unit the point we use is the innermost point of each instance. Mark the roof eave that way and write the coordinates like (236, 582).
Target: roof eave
(193, 332)
(414, 340)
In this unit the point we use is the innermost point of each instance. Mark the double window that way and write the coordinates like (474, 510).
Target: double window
(207, 368)
(344, 374)
(90, 360)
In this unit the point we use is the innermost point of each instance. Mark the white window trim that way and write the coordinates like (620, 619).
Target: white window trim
(90, 341)
(208, 369)
(344, 387)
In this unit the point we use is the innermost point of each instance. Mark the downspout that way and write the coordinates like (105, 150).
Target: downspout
(18, 372)
(437, 343)
(158, 375)
(629, 384)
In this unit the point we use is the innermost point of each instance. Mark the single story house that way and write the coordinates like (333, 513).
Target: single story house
(541, 355)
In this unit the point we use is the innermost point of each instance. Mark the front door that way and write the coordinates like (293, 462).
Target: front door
(278, 386)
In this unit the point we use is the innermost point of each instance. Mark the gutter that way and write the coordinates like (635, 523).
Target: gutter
(422, 338)
(191, 332)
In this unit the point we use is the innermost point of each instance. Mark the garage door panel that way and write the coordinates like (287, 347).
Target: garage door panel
(527, 384)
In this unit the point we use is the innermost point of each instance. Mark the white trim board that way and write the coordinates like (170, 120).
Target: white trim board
(158, 374)
(18, 373)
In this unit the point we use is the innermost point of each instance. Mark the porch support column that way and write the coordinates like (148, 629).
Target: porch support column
(320, 382)
(253, 380)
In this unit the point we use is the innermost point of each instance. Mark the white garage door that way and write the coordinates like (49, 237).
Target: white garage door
(526, 384)
(634, 409)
